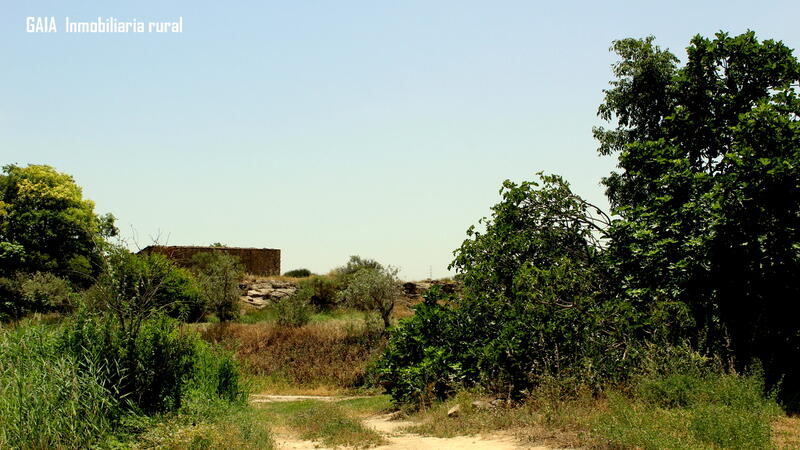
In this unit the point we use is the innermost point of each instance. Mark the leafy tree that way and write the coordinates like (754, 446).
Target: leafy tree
(219, 275)
(372, 289)
(47, 226)
(708, 193)
(533, 304)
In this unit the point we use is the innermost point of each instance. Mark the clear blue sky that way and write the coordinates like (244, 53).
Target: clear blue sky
(325, 129)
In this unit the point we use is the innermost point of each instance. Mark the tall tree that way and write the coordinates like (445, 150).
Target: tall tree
(46, 224)
(708, 192)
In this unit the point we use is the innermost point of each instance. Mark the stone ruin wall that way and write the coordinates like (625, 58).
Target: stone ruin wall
(256, 261)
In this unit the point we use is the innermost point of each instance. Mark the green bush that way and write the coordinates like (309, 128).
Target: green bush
(136, 285)
(318, 291)
(219, 274)
(74, 384)
(152, 370)
(25, 293)
(298, 273)
(532, 306)
(43, 291)
(426, 359)
(373, 290)
(293, 311)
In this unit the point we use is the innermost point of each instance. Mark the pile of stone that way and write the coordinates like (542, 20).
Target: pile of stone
(260, 292)
(415, 289)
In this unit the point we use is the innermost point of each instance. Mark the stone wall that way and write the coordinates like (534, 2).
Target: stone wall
(257, 261)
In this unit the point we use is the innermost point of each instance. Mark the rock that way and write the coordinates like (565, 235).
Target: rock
(483, 404)
(415, 289)
(454, 411)
(260, 292)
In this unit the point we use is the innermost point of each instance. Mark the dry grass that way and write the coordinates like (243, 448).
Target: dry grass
(254, 277)
(786, 432)
(556, 423)
(330, 354)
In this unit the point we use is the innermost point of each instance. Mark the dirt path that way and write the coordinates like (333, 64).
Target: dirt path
(391, 429)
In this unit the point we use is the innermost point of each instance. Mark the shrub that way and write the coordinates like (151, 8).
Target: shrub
(298, 273)
(219, 275)
(532, 305)
(134, 286)
(425, 358)
(293, 311)
(37, 292)
(43, 291)
(372, 290)
(318, 291)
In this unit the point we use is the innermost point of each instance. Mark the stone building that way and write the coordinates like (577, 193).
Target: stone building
(256, 261)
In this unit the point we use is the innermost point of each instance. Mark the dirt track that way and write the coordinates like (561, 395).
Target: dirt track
(392, 430)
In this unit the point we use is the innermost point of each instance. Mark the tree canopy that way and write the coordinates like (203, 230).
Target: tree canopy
(46, 224)
(708, 192)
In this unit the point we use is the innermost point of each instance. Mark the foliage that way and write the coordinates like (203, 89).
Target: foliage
(75, 384)
(298, 273)
(43, 291)
(372, 289)
(708, 195)
(356, 263)
(343, 274)
(219, 274)
(533, 304)
(691, 410)
(38, 292)
(318, 291)
(45, 401)
(426, 358)
(133, 287)
(293, 311)
(47, 226)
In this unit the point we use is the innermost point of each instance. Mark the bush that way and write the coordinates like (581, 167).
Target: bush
(37, 292)
(293, 311)
(153, 370)
(318, 291)
(425, 358)
(43, 291)
(373, 290)
(219, 275)
(532, 306)
(298, 273)
(138, 285)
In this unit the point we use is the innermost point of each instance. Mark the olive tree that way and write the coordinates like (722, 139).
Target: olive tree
(373, 289)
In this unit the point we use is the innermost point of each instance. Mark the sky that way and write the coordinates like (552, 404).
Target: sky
(327, 129)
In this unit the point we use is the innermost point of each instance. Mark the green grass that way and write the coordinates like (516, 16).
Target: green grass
(674, 411)
(367, 406)
(49, 398)
(330, 424)
(228, 427)
(269, 314)
(686, 412)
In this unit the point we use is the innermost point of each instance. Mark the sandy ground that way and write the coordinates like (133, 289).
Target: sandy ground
(391, 429)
